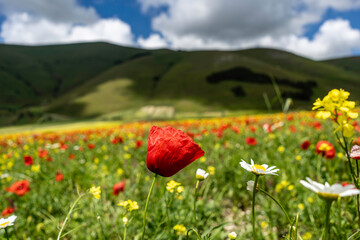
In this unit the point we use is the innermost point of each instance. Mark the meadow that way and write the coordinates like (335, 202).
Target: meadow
(93, 182)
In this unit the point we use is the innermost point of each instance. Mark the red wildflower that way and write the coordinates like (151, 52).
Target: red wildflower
(42, 153)
(170, 150)
(59, 176)
(251, 141)
(293, 129)
(138, 143)
(20, 188)
(28, 160)
(91, 146)
(326, 149)
(305, 144)
(71, 156)
(8, 211)
(317, 125)
(118, 188)
(117, 139)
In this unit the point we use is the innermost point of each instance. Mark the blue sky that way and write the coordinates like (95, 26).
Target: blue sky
(318, 29)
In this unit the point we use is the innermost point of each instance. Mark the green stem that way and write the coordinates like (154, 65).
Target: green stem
(68, 215)
(124, 231)
(6, 233)
(197, 234)
(278, 203)
(253, 206)
(146, 206)
(327, 220)
(195, 198)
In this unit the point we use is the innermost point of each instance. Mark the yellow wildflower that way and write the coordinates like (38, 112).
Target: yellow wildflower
(95, 191)
(180, 229)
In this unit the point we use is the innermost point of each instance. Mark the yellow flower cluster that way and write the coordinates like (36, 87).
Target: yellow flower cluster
(336, 107)
(180, 229)
(173, 186)
(129, 205)
(95, 191)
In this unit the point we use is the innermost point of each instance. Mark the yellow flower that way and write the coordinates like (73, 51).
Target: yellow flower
(291, 187)
(301, 206)
(180, 229)
(172, 186)
(119, 171)
(129, 205)
(95, 191)
(307, 236)
(310, 200)
(35, 168)
(298, 157)
(202, 159)
(125, 220)
(281, 149)
(211, 170)
(264, 224)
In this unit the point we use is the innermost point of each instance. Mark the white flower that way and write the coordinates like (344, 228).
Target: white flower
(259, 169)
(201, 174)
(330, 192)
(232, 235)
(250, 186)
(5, 222)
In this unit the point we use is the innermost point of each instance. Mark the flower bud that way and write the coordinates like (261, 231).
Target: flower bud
(201, 174)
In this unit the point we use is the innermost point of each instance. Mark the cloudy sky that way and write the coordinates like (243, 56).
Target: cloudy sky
(319, 29)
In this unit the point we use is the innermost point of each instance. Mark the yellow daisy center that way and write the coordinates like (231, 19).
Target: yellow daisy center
(330, 196)
(4, 224)
(258, 167)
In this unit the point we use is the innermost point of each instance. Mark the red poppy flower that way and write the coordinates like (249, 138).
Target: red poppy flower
(251, 141)
(118, 188)
(28, 160)
(91, 146)
(305, 144)
(42, 153)
(20, 188)
(59, 176)
(138, 143)
(170, 150)
(326, 149)
(8, 211)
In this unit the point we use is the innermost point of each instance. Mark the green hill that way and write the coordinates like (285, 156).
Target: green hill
(95, 79)
(349, 63)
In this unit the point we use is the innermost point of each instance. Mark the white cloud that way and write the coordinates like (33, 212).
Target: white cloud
(25, 29)
(154, 41)
(59, 11)
(234, 24)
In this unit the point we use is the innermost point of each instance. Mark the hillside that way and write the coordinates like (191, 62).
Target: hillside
(349, 63)
(93, 79)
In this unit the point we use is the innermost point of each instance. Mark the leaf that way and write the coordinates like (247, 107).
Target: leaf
(355, 236)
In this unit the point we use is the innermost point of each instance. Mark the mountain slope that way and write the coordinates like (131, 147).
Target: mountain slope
(92, 79)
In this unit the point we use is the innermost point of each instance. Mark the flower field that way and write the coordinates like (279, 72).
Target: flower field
(94, 183)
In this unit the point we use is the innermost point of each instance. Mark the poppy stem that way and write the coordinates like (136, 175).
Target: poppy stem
(195, 198)
(253, 206)
(327, 220)
(146, 206)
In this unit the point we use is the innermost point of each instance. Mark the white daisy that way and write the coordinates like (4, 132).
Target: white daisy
(5, 222)
(330, 192)
(201, 174)
(259, 169)
(232, 235)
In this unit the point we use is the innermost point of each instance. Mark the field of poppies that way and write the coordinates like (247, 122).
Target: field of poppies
(250, 177)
